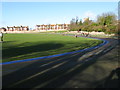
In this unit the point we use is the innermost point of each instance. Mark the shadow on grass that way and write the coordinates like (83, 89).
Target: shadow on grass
(30, 50)
(21, 50)
(54, 74)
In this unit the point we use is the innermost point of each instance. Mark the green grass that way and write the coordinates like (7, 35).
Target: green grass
(24, 46)
(62, 31)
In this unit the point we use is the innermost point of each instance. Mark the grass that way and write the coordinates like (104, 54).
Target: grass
(62, 31)
(24, 46)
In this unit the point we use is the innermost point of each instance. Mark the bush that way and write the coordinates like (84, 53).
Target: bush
(74, 27)
(100, 30)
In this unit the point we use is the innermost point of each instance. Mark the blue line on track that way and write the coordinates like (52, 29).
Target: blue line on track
(51, 56)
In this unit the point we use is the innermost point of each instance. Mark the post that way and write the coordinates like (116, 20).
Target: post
(1, 36)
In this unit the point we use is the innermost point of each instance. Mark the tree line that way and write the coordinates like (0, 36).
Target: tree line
(106, 22)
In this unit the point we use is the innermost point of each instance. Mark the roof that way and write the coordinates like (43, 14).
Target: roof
(17, 27)
(51, 25)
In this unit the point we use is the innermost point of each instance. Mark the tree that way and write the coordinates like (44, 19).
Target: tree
(72, 21)
(74, 24)
(76, 20)
(106, 19)
(80, 23)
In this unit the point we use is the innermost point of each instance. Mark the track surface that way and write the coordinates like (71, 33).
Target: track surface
(58, 72)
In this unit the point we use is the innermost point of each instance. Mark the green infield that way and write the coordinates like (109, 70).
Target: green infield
(24, 46)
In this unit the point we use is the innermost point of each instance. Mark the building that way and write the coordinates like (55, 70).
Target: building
(2, 29)
(86, 19)
(52, 27)
(18, 28)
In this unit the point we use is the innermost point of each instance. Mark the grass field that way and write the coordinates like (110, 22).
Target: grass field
(24, 46)
(62, 31)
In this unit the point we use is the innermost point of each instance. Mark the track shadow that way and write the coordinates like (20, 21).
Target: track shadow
(53, 75)
(36, 69)
(111, 81)
(62, 80)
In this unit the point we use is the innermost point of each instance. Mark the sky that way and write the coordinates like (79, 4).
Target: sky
(36, 13)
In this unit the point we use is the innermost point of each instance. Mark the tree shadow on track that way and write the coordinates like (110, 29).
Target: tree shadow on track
(111, 81)
(66, 77)
(56, 73)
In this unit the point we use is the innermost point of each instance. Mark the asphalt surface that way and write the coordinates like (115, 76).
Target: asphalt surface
(68, 71)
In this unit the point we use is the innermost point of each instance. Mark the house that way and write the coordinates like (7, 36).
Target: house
(2, 29)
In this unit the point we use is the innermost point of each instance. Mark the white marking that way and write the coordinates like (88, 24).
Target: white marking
(108, 49)
(98, 52)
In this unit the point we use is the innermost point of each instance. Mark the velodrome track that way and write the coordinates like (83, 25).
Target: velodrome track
(52, 72)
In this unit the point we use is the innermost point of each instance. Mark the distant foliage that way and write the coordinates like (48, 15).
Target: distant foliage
(106, 22)
(106, 19)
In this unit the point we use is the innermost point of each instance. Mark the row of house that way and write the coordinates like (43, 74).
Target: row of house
(52, 27)
(15, 28)
(37, 27)
(18, 28)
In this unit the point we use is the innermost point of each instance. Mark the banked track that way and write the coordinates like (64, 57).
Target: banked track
(51, 72)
